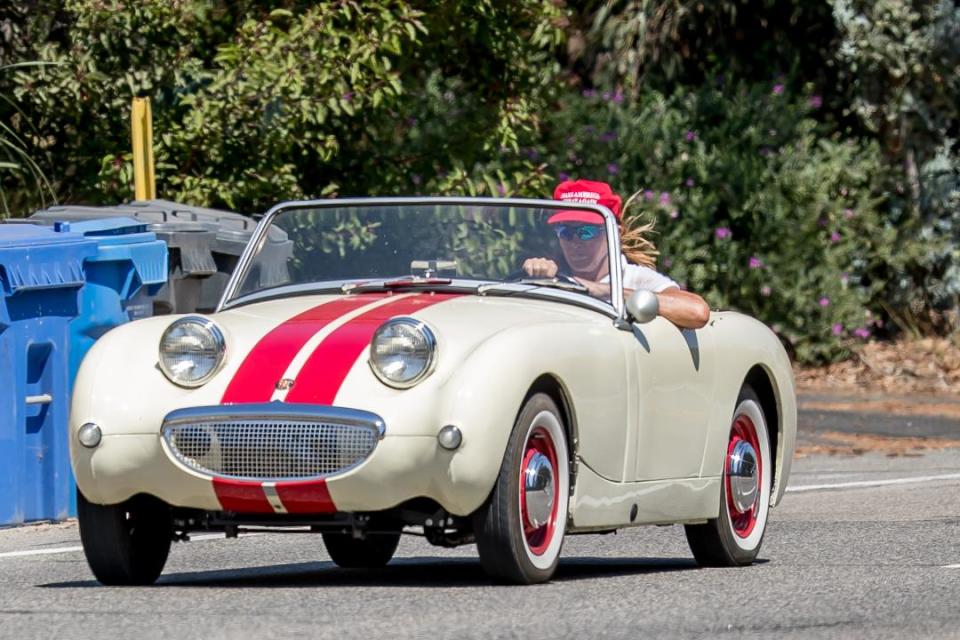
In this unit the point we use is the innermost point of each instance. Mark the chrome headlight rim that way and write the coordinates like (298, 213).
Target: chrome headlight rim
(429, 336)
(208, 325)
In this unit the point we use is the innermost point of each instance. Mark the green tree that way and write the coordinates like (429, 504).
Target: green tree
(901, 76)
(254, 104)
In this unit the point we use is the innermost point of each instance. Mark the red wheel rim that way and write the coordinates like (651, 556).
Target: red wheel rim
(743, 522)
(539, 538)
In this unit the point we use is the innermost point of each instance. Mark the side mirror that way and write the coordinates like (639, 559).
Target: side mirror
(643, 306)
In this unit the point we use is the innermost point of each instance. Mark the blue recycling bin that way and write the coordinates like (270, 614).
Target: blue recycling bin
(122, 278)
(41, 276)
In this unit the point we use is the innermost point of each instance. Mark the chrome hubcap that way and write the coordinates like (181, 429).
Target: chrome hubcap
(538, 489)
(742, 469)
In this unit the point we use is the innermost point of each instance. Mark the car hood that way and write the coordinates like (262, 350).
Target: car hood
(314, 349)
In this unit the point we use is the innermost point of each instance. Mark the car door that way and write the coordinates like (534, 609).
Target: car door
(673, 380)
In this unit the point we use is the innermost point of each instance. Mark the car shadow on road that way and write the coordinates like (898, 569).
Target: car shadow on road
(424, 571)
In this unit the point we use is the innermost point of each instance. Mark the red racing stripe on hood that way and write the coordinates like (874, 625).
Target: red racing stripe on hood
(328, 366)
(266, 363)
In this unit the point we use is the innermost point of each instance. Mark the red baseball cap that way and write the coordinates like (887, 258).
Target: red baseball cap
(587, 191)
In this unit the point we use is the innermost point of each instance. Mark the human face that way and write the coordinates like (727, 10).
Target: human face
(585, 248)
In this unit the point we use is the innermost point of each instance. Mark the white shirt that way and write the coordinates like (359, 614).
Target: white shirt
(638, 277)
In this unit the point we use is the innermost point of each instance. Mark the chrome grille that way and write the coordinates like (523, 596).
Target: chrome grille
(270, 449)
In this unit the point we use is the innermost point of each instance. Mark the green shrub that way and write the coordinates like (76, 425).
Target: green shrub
(20, 175)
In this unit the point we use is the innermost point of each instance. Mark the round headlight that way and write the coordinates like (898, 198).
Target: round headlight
(402, 352)
(191, 351)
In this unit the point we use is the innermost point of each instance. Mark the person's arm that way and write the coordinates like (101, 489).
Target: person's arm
(682, 308)
(685, 309)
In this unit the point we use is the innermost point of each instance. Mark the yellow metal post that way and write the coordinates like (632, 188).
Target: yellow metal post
(144, 180)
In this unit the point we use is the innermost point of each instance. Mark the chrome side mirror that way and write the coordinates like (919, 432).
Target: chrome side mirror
(643, 306)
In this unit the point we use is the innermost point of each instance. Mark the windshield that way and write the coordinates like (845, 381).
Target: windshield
(431, 244)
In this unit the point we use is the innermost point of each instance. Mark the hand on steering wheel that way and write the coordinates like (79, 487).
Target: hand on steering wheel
(540, 267)
(544, 268)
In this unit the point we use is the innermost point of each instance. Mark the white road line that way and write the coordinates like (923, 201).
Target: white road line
(44, 552)
(39, 552)
(872, 483)
(951, 566)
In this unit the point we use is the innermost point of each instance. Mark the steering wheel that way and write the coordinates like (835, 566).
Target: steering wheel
(562, 276)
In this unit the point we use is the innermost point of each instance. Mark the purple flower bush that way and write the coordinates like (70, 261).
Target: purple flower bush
(754, 210)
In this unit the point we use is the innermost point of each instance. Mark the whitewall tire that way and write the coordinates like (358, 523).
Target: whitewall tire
(735, 536)
(520, 529)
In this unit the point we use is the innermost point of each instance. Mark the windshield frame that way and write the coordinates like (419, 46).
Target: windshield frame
(611, 225)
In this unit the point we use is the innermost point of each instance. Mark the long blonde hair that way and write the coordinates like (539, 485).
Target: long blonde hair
(634, 244)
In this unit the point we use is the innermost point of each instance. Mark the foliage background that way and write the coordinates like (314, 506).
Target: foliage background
(799, 157)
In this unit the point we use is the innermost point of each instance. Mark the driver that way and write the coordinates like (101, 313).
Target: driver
(583, 244)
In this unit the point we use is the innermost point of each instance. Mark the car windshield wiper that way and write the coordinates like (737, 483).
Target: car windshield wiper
(554, 283)
(396, 283)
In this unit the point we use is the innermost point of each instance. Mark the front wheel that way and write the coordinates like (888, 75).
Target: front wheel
(520, 528)
(126, 543)
(734, 537)
(371, 552)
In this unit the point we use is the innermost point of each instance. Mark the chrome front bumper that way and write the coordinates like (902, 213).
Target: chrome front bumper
(271, 442)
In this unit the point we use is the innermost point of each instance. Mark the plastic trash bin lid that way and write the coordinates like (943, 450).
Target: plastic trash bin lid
(109, 231)
(124, 239)
(26, 235)
(77, 212)
(39, 258)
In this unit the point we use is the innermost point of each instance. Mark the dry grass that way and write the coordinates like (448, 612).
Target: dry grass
(928, 365)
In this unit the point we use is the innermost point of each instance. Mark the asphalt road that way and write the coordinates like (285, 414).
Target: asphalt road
(863, 546)
(880, 415)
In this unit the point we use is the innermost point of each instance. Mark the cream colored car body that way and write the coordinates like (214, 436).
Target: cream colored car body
(649, 407)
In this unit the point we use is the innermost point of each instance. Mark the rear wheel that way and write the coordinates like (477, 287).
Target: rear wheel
(734, 538)
(519, 530)
(371, 552)
(126, 543)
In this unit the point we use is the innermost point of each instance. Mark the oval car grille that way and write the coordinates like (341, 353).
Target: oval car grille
(270, 449)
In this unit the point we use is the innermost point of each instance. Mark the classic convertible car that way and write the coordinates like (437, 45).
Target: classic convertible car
(407, 376)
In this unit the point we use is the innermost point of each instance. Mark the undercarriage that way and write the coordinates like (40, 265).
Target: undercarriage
(421, 517)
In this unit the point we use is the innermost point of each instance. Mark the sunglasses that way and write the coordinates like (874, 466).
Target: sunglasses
(578, 231)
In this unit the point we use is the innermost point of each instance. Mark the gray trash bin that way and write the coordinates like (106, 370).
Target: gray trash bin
(233, 233)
